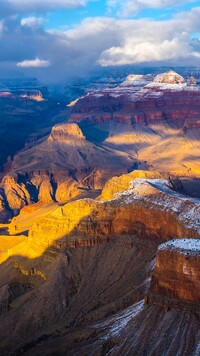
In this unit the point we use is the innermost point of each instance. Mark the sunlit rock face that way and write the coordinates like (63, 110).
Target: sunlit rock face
(66, 133)
(149, 208)
(176, 276)
(32, 94)
(119, 184)
(170, 77)
(16, 194)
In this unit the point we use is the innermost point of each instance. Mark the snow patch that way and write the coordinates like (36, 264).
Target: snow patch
(185, 246)
(159, 194)
(117, 323)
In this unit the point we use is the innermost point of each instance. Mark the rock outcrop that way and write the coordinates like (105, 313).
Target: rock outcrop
(175, 280)
(76, 280)
(170, 77)
(119, 184)
(17, 195)
(66, 133)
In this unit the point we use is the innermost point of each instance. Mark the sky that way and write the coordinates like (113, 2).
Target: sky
(56, 39)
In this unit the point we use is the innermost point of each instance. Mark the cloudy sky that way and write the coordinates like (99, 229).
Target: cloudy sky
(58, 38)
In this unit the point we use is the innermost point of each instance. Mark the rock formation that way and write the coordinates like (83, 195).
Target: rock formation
(136, 80)
(148, 208)
(141, 104)
(175, 280)
(119, 184)
(192, 82)
(170, 77)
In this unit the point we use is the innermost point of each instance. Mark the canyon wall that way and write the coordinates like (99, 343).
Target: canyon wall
(175, 279)
(144, 209)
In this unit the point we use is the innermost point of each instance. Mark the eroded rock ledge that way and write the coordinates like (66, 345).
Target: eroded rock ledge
(176, 278)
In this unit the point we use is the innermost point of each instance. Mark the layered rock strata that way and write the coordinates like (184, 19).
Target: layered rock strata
(148, 208)
(175, 280)
(141, 101)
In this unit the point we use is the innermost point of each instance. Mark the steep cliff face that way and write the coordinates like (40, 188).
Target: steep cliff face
(66, 133)
(141, 101)
(175, 280)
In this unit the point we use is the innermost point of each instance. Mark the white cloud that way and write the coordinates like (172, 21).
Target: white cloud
(105, 41)
(46, 4)
(34, 63)
(139, 41)
(11, 7)
(150, 42)
(32, 21)
(126, 8)
(1, 26)
(196, 54)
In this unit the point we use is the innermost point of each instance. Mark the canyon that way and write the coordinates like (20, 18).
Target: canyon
(100, 224)
(144, 123)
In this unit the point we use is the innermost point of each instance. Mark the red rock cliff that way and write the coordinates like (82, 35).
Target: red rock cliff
(176, 278)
